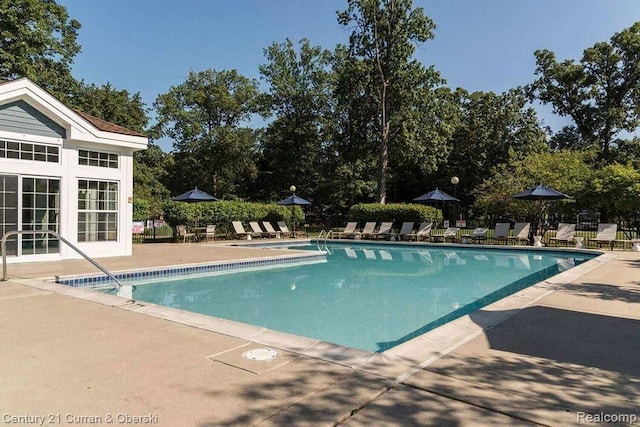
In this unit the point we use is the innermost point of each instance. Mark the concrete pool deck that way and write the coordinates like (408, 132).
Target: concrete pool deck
(570, 356)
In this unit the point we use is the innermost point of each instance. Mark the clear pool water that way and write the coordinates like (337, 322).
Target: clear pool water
(367, 296)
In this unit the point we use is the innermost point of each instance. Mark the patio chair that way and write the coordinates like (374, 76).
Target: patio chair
(385, 230)
(424, 231)
(255, 227)
(210, 233)
(405, 230)
(450, 233)
(239, 231)
(349, 231)
(520, 232)
(566, 233)
(606, 235)
(501, 233)
(368, 230)
(182, 233)
(269, 229)
(284, 230)
(477, 235)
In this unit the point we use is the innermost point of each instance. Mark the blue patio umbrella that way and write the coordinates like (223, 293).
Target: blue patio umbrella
(292, 201)
(540, 193)
(194, 196)
(436, 196)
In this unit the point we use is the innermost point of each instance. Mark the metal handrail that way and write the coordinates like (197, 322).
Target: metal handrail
(59, 237)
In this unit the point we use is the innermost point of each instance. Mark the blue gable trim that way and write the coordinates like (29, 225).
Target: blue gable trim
(20, 117)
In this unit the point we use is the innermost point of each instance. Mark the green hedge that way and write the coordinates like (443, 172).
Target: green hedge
(223, 212)
(398, 212)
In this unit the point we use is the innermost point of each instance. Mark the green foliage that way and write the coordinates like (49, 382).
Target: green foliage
(601, 93)
(395, 87)
(299, 95)
(398, 212)
(141, 209)
(203, 116)
(223, 212)
(38, 40)
(616, 187)
(566, 171)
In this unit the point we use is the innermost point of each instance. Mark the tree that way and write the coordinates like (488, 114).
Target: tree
(204, 117)
(601, 93)
(490, 127)
(38, 40)
(567, 171)
(382, 40)
(300, 98)
(616, 191)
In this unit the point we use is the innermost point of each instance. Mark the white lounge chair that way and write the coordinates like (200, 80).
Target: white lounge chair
(368, 230)
(424, 231)
(501, 233)
(606, 235)
(477, 235)
(385, 230)
(349, 230)
(271, 232)
(405, 230)
(255, 227)
(284, 230)
(566, 233)
(520, 232)
(450, 234)
(239, 231)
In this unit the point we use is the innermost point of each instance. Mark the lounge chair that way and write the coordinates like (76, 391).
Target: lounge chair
(385, 230)
(284, 230)
(424, 231)
(520, 232)
(239, 231)
(606, 235)
(501, 233)
(368, 230)
(349, 231)
(210, 233)
(566, 233)
(255, 227)
(477, 235)
(450, 233)
(182, 233)
(405, 230)
(269, 229)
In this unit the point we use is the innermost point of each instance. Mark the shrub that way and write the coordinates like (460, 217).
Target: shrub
(223, 212)
(397, 212)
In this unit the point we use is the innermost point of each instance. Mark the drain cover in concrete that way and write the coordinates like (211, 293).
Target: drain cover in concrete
(262, 354)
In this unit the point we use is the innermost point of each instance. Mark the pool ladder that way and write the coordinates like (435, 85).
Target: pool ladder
(323, 236)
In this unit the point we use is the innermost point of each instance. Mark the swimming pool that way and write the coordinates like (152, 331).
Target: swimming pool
(366, 296)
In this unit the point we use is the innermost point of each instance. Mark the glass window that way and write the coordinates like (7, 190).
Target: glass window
(99, 159)
(97, 211)
(29, 151)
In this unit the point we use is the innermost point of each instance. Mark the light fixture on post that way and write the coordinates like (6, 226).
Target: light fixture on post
(454, 181)
(293, 207)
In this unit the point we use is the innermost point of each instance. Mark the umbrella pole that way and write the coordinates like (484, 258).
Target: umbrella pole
(293, 219)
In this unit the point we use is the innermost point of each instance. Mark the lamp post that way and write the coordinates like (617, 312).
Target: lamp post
(293, 206)
(454, 181)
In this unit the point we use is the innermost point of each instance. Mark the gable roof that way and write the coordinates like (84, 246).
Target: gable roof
(106, 126)
(80, 126)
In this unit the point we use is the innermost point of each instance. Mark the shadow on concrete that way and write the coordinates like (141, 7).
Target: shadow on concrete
(592, 340)
(630, 294)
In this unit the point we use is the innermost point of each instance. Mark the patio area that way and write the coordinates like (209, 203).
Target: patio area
(567, 358)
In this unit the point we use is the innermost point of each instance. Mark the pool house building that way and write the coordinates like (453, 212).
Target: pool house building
(65, 171)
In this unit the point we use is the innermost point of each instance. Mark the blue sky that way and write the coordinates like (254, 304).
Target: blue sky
(147, 46)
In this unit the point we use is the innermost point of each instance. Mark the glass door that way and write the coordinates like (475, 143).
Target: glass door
(9, 210)
(40, 211)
